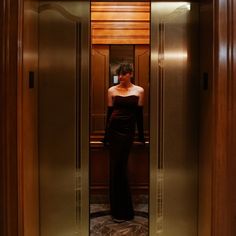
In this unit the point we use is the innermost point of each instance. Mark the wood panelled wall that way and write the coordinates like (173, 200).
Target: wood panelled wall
(100, 84)
(99, 87)
(8, 118)
(142, 65)
(224, 162)
(99, 157)
(120, 22)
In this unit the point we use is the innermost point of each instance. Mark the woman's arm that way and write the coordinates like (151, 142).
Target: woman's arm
(108, 115)
(141, 96)
(109, 97)
(139, 115)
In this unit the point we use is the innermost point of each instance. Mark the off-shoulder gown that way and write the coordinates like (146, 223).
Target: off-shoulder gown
(121, 132)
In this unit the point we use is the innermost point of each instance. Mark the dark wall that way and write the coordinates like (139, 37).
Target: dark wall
(1, 120)
(8, 117)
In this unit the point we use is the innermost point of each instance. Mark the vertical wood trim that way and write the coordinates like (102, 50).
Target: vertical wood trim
(2, 125)
(20, 122)
(99, 87)
(223, 210)
(9, 46)
(142, 62)
(231, 200)
(219, 214)
(27, 119)
(232, 108)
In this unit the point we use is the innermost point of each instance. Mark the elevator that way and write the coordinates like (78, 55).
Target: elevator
(71, 112)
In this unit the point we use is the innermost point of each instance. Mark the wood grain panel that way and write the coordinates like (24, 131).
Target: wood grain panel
(2, 105)
(121, 33)
(120, 36)
(232, 117)
(118, 16)
(142, 61)
(120, 40)
(27, 124)
(99, 86)
(120, 6)
(224, 186)
(120, 23)
(232, 121)
(8, 117)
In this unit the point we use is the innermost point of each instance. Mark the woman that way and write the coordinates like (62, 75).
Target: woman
(125, 109)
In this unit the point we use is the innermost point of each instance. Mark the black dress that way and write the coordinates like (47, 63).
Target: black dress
(121, 130)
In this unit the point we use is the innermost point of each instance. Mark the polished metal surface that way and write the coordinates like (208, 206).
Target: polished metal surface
(63, 130)
(154, 227)
(174, 63)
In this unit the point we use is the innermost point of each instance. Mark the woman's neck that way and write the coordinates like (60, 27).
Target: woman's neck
(125, 85)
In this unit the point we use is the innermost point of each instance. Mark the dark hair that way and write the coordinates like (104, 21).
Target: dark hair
(124, 69)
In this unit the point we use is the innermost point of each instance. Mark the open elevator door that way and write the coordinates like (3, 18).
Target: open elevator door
(64, 116)
(174, 111)
(63, 108)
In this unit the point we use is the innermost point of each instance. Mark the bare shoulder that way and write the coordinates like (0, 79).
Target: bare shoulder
(139, 89)
(112, 89)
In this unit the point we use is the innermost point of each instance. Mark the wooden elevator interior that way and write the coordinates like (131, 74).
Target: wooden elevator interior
(120, 34)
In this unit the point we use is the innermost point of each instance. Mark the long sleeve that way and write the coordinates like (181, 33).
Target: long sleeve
(109, 112)
(139, 119)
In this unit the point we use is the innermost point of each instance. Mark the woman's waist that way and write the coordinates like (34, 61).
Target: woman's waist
(123, 120)
(122, 123)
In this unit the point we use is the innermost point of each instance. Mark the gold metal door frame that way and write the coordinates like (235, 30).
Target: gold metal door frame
(84, 128)
(154, 126)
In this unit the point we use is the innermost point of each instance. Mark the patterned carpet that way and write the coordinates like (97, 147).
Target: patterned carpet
(101, 223)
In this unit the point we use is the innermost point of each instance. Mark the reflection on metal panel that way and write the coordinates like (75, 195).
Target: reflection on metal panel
(61, 67)
(176, 55)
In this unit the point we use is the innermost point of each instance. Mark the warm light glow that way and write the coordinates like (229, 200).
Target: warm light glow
(168, 7)
(175, 55)
(188, 6)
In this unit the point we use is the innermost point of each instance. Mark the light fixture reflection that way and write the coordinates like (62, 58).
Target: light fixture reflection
(168, 7)
(175, 55)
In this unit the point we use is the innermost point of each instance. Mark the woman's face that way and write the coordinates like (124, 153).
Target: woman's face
(125, 78)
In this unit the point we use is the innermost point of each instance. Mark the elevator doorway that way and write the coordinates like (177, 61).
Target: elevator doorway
(63, 119)
(105, 59)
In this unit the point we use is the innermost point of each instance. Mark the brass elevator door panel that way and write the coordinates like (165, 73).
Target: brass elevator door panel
(63, 72)
(175, 55)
